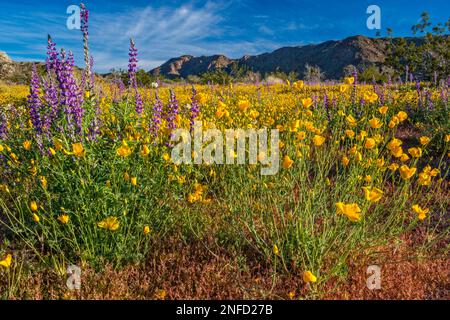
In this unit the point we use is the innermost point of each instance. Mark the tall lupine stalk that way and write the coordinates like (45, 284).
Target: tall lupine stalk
(132, 68)
(156, 116)
(3, 126)
(326, 103)
(84, 17)
(34, 102)
(52, 61)
(172, 113)
(355, 89)
(195, 108)
(91, 68)
(132, 64)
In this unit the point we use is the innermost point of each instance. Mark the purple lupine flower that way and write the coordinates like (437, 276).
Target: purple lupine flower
(52, 55)
(172, 112)
(70, 93)
(132, 68)
(34, 102)
(51, 99)
(139, 102)
(132, 63)
(195, 108)
(355, 82)
(121, 86)
(156, 117)
(84, 17)
(326, 103)
(3, 126)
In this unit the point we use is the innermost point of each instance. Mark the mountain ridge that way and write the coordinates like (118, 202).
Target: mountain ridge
(330, 56)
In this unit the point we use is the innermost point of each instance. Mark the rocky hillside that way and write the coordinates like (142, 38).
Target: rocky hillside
(330, 56)
(15, 72)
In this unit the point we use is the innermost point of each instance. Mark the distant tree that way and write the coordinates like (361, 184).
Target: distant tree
(348, 70)
(291, 76)
(237, 72)
(193, 79)
(313, 74)
(426, 58)
(216, 77)
(372, 74)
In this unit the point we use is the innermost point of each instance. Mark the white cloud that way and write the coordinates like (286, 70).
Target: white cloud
(160, 34)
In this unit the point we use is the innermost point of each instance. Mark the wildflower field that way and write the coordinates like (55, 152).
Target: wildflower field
(87, 179)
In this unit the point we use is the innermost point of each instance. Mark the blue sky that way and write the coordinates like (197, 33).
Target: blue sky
(166, 29)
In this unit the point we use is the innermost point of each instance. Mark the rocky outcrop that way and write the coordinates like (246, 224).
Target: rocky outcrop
(188, 65)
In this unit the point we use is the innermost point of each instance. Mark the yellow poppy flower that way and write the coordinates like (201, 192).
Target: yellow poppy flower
(124, 150)
(275, 250)
(243, 105)
(402, 115)
(349, 133)
(406, 173)
(373, 194)
(77, 149)
(370, 143)
(6, 262)
(404, 157)
(370, 97)
(110, 223)
(287, 162)
(318, 140)
(421, 212)
(415, 152)
(345, 161)
(27, 145)
(43, 181)
(33, 206)
(424, 179)
(351, 210)
(309, 277)
(375, 123)
(424, 140)
(351, 120)
(307, 102)
(145, 150)
(64, 218)
(349, 80)
(36, 218)
(393, 166)
(383, 110)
